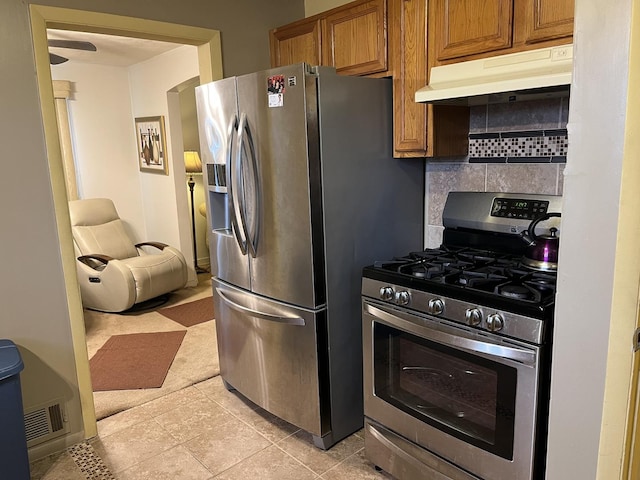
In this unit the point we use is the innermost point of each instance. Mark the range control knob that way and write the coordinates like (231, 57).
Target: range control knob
(386, 294)
(403, 297)
(495, 322)
(435, 306)
(473, 316)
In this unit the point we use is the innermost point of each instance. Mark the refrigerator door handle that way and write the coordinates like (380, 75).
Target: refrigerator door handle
(279, 318)
(234, 205)
(255, 227)
(250, 231)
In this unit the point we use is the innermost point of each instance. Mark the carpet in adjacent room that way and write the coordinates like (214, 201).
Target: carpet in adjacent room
(190, 313)
(134, 360)
(196, 360)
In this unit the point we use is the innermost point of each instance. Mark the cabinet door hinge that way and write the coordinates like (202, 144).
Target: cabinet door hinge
(636, 340)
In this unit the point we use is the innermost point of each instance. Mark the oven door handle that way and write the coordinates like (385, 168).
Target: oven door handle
(434, 334)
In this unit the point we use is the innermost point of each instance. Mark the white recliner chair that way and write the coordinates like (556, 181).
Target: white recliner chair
(113, 272)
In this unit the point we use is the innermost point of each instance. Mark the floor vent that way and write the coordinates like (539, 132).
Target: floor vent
(44, 423)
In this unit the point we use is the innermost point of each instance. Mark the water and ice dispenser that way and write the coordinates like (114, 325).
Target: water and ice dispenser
(218, 197)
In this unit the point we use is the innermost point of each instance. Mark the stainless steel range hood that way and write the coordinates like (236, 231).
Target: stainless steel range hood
(530, 75)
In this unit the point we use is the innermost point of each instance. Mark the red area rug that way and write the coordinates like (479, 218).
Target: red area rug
(192, 313)
(134, 361)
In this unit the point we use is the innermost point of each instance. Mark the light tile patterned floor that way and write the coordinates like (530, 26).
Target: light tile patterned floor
(204, 432)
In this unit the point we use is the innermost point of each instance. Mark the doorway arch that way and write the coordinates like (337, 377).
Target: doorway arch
(43, 17)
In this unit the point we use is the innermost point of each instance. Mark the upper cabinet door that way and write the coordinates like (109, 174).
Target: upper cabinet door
(295, 43)
(408, 20)
(546, 19)
(468, 27)
(354, 39)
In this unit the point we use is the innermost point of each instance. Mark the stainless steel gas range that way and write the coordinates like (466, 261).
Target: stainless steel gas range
(457, 347)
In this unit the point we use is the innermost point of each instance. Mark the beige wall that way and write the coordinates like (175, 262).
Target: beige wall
(101, 118)
(35, 313)
(164, 196)
(311, 7)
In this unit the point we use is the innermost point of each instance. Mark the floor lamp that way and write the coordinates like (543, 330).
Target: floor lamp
(193, 165)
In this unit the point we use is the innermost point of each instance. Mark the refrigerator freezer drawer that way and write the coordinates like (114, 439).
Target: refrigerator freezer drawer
(269, 352)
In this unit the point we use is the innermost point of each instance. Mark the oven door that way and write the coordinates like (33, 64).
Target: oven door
(465, 395)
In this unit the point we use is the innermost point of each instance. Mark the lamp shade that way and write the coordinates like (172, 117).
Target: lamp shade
(192, 162)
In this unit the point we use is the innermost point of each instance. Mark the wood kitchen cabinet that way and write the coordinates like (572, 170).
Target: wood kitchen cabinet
(544, 20)
(382, 38)
(419, 130)
(467, 29)
(296, 42)
(352, 38)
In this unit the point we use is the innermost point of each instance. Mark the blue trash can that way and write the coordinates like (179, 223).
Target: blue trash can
(14, 460)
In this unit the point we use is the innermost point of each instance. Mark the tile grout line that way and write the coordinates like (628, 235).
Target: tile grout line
(344, 460)
(275, 444)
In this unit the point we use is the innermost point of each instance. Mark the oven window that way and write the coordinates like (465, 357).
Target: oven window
(462, 394)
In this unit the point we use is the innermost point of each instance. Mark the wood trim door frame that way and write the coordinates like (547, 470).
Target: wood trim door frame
(619, 452)
(43, 17)
(631, 462)
(631, 454)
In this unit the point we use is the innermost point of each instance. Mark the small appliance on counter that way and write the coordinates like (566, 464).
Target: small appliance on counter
(302, 192)
(542, 253)
(456, 344)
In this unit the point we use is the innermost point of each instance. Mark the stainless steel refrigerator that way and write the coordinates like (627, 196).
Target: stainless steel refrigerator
(302, 193)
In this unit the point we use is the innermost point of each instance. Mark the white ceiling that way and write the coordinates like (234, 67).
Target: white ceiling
(111, 50)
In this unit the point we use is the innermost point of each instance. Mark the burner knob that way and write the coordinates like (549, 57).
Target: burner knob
(386, 294)
(403, 298)
(495, 322)
(473, 316)
(435, 306)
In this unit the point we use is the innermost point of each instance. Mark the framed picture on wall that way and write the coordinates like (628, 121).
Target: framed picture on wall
(152, 148)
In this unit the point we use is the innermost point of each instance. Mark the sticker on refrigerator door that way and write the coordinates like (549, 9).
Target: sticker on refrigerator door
(275, 90)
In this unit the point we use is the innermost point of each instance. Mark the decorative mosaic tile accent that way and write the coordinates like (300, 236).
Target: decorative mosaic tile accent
(89, 462)
(533, 146)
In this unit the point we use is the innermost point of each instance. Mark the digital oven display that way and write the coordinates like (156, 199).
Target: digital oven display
(518, 208)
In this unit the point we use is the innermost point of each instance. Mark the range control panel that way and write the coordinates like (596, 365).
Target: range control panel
(518, 208)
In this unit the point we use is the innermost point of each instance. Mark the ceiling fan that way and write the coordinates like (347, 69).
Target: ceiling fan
(74, 44)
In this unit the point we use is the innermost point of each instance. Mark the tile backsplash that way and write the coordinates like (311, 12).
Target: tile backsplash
(518, 148)
(534, 146)
(544, 114)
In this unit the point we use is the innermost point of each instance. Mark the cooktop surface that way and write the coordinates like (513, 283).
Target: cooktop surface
(479, 276)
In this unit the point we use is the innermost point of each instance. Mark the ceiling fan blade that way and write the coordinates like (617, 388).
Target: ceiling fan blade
(56, 59)
(75, 44)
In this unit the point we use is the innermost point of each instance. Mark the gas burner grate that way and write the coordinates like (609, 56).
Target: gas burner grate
(519, 291)
(485, 278)
(434, 267)
(526, 285)
(486, 272)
